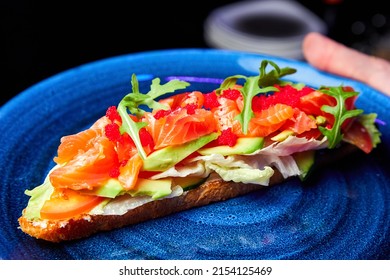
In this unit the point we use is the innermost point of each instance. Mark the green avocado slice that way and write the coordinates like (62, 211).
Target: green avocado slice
(167, 157)
(305, 161)
(113, 188)
(244, 145)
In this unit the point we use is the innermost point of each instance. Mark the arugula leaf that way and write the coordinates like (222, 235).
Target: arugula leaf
(254, 85)
(249, 90)
(340, 113)
(132, 128)
(132, 102)
(273, 77)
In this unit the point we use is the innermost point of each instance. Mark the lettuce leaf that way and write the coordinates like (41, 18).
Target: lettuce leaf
(38, 196)
(234, 168)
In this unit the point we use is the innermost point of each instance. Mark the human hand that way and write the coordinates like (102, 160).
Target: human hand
(333, 57)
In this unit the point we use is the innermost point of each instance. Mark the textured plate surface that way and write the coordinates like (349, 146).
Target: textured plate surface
(342, 214)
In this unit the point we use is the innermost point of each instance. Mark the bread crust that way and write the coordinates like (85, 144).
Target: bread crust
(85, 225)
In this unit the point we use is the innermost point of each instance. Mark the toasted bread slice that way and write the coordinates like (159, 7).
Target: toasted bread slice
(82, 226)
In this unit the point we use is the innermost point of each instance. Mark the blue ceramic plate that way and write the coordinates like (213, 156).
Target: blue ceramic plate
(342, 214)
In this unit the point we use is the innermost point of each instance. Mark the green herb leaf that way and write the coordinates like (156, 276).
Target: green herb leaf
(135, 99)
(132, 102)
(249, 90)
(254, 85)
(340, 113)
(273, 77)
(132, 128)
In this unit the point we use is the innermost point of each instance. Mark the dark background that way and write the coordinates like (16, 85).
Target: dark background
(40, 38)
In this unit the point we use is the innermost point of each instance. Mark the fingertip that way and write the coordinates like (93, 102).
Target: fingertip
(311, 47)
(310, 39)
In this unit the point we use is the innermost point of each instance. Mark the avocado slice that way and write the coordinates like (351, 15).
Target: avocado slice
(113, 188)
(167, 157)
(305, 161)
(188, 183)
(244, 145)
(154, 188)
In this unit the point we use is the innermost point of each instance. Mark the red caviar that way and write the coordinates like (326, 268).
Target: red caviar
(191, 108)
(112, 132)
(146, 138)
(113, 114)
(287, 95)
(232, 94)
(227, 137)
(210, 100)
(161, 113)
(114, 171)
